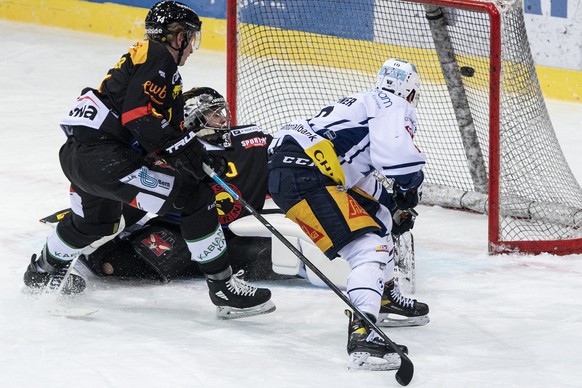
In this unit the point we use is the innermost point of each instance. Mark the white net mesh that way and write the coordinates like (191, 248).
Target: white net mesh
(296, 56)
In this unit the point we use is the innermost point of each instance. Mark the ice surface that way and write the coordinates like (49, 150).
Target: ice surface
(496, 321)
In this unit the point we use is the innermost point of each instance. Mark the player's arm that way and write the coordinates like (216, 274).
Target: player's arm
(394, 154)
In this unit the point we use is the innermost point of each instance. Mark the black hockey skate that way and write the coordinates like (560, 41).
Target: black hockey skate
(397, 310)
(234, 298)
(367, 350)
(41, 276)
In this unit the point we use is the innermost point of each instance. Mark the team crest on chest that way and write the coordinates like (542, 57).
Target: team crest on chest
(228, 208)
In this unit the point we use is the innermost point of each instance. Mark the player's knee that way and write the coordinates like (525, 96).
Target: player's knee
(76, 231)
(369, 248)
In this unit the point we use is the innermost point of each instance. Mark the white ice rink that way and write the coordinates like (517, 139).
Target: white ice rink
(496, 321)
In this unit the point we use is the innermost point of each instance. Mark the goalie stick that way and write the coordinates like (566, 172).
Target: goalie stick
(406, 369)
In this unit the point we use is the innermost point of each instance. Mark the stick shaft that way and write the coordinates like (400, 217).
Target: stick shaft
(406, 370)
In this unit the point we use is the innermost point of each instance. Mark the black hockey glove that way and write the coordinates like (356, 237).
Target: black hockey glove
(408, 199)
(218, 164)
(407, 194)
(188, 154)
(405, 200)
(403, 221)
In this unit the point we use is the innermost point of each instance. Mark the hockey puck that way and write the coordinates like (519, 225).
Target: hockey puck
(467, 71)
(107, 269)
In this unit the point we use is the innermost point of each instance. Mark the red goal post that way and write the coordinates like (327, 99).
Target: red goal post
(482, 118)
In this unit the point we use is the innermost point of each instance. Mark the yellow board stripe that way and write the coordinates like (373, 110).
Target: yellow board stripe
(123, 21)
(120, 21)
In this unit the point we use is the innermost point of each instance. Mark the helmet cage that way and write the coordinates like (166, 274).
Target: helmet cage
(206, 112)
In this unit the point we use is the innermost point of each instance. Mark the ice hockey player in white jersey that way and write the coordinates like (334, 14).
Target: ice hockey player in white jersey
(320, 174)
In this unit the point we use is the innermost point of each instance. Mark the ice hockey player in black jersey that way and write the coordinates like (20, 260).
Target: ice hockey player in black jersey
(152, 247)
(127, 146)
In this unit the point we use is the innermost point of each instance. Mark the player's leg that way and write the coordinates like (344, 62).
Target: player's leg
(90, 219)
(204, 237)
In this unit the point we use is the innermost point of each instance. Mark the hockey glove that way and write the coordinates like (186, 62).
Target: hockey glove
(407, 200)
(188, 154)
(218, 164)
(403, 221)
(407, 196)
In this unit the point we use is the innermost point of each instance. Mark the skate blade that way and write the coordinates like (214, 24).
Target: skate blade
(226, 312)
(363, 361)
(394, 320)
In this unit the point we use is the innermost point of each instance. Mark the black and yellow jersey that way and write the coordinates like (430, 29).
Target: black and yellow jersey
(144, 89)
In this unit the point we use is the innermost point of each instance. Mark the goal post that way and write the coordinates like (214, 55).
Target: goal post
(482, 118)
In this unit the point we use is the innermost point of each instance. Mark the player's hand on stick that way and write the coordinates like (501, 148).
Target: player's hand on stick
(403, 221)
(218, 164)
(188, 154)
(405, 200)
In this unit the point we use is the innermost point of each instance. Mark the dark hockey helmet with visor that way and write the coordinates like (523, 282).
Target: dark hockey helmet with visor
(164, 16)
(206, 112)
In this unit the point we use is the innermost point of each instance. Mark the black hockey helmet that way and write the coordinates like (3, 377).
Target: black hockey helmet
(163, 17)
(206, 112)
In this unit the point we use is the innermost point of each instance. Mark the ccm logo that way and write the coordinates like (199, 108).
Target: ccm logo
(298, 161)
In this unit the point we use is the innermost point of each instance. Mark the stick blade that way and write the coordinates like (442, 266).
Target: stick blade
(405, 372)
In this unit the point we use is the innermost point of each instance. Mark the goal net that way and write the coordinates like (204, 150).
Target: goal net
(482, 118)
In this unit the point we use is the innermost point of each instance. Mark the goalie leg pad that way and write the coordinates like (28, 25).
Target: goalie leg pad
(163, 249)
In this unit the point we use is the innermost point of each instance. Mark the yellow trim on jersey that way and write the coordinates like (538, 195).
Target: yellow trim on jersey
(139, 52)
(303, 216)
(364, 194)
(323, 155)
(355, 215)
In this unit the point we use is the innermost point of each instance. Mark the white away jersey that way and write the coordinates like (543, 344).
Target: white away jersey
(370, 131)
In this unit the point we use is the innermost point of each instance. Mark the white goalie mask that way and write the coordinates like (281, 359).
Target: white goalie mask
(206, 113)
(400, 78)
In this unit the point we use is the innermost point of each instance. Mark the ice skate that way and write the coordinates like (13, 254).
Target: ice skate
(367, 350)
(41, 276)
(397, 310)
(234, 298)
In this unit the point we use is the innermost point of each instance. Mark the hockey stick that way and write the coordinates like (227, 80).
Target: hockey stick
(55, 217)
(406, 369)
